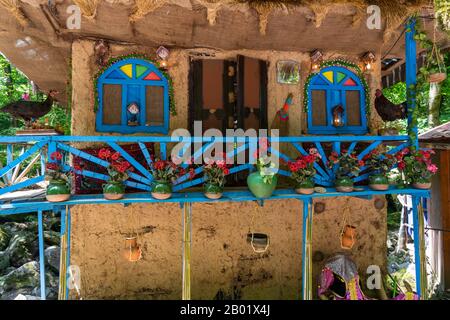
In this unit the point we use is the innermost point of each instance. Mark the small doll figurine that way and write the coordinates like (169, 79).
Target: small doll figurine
(133, 114)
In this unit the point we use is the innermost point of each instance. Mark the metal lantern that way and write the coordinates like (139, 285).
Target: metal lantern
(368, 60)
(338, 116)
(316, 60)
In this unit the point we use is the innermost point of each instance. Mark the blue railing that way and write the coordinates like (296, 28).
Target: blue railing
(26, 156)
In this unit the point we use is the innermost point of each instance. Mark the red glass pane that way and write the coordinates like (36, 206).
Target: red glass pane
(152, 76)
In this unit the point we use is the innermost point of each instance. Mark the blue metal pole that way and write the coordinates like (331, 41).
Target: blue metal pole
(411, 79)
(9, 159)
(41, 255)
(415, 208)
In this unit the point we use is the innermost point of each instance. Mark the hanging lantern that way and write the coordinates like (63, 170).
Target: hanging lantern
(316, 60)
(163, 55)
(132, 251)
(368, 60)
(338, 116)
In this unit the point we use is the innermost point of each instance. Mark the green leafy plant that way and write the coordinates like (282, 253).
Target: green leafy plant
(302, 169)
(416, 165)
(216, 171)
(379, 163)
(348, 164)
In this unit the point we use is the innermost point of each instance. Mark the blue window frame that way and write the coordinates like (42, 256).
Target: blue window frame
(331, 87)
(133, 81)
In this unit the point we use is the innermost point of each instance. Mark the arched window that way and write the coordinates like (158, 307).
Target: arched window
(133, 96)
(336, 91)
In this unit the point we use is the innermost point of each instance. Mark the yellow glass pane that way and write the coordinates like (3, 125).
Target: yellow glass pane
(128, 70)
(328, 75)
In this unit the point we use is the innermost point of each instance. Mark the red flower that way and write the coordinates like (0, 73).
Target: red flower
(401, 165)
(191, 173)
(104, 153)
(361, 163)
(263, 144)
(159, 165)
(226, 171)
(115, 156)
(56, 155)
(52, 166)
(334, 154)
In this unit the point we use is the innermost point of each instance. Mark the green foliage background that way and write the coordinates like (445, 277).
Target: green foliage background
(13, 91)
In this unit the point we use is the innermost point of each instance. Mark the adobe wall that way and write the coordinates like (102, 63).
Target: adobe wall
(223, 264)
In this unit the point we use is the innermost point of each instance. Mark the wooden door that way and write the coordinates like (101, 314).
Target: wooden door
(444, 177)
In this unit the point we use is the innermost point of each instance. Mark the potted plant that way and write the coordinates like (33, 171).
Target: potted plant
(58, 188)
(380, 165)
(215, 172)
(114, 189)
(347, 165)
(164, 172)
(416, 167)
(263, 181)
(302, 172)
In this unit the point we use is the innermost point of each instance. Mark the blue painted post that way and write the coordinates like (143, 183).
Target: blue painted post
(411, 79)
(41, 255)
(62, 263)
(417, 263)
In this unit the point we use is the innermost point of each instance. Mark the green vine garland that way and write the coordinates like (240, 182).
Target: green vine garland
(112, 61)
(340, 63)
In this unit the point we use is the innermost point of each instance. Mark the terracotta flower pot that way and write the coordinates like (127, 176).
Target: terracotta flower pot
(161, 190)
(257, 186)
(57, 191)
(213, 191)
(132, 252)
(305, 187)
(113, 190)
(378, 182)
(422, 185)
(437, 77)
(344, 184)
(348, 237)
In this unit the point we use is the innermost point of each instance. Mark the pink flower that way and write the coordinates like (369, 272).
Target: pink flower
(220, 163)
(432, 168)
(263, 144)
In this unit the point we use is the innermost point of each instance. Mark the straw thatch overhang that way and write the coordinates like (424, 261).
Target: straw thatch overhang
(34, 33)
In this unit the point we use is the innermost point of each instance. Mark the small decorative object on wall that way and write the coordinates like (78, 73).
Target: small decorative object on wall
(288, 72)
(102, 52)
(259, 241)
(302, 172)
(58, 188)
(338, 116)
(319, 207)
(133, 114)
(379, 203)
(114, 189)
(163, 54)
(348, 165)
(380, 165)
(281, 120)
(368, 59)
(215, 172)
(132, 251)
(316, 60)
(417, 167)
(263, 182)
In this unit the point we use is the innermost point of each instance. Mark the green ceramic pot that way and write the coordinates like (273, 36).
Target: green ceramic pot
(213, 191)
(378, 182)
(258, 187)
(113, 190)
(57, 191)
(305, 187)
(344, 184)
(161, 190)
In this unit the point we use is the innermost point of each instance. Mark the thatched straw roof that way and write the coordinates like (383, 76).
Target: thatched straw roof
(36, 37)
